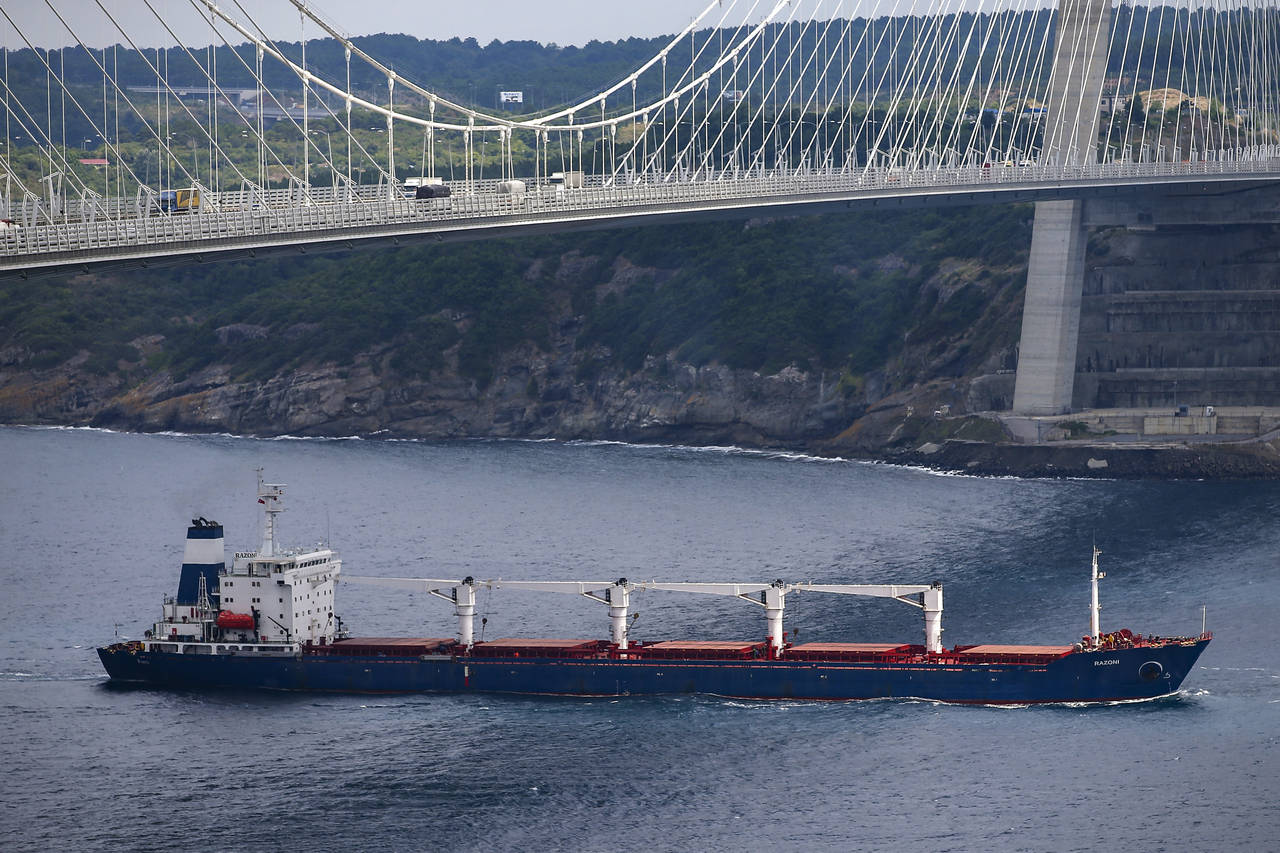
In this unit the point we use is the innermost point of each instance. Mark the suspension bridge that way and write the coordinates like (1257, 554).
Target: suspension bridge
(231, 143)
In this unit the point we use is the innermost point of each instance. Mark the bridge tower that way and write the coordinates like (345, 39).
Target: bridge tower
(1056, 268)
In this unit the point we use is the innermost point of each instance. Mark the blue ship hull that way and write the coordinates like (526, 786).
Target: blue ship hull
(1111, 675)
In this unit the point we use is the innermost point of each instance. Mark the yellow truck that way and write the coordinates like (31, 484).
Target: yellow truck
(179, 201)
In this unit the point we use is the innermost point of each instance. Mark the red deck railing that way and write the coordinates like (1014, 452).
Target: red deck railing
(869, 653)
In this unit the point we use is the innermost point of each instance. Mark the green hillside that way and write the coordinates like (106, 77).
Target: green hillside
(815, 292)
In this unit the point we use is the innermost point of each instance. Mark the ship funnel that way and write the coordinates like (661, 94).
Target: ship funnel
(203, 557)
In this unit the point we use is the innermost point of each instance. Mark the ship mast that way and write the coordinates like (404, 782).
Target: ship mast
(203, 604)
(270, 495)
(1095, 631)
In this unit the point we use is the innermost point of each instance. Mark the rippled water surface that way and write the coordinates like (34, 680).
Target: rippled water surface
(91, 534)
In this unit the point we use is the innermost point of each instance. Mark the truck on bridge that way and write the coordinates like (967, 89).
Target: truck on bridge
(179, 201)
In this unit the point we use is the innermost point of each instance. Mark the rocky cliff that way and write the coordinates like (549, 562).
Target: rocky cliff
(592, 359)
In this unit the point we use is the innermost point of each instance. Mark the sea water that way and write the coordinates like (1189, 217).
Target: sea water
(91, 537)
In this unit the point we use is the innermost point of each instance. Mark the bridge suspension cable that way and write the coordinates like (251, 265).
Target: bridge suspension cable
(233, 127)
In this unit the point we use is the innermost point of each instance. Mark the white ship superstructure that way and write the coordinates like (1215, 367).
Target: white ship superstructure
(271, 600)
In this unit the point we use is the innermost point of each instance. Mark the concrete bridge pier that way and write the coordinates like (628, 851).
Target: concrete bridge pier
(1051, 315)
(1051, 310)
(1055, 271)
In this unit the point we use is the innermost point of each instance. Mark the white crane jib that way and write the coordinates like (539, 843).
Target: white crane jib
(460, 593)
(927, 598)
(772, 597)
(616, 595)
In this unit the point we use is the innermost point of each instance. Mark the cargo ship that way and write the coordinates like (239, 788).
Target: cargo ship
(267, 621)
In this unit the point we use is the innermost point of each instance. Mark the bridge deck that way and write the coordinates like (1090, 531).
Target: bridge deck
(230, 224)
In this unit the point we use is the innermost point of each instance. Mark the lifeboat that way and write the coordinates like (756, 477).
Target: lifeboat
(243, 621)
